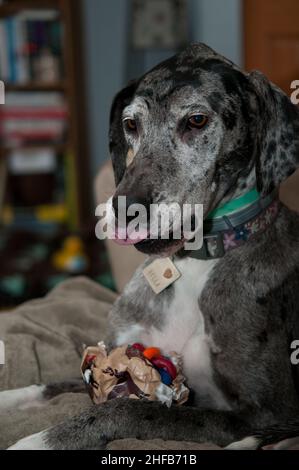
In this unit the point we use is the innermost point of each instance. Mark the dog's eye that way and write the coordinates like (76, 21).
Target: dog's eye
(197, 121)
(130, 125)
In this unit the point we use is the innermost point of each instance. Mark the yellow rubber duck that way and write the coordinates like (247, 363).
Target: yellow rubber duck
(71, 257)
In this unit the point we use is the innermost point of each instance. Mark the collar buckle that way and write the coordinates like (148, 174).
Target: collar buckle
(212, 247)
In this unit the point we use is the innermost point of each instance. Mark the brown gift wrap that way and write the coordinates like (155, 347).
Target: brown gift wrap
(125, 372)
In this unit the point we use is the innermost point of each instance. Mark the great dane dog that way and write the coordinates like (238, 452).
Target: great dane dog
(197, 129)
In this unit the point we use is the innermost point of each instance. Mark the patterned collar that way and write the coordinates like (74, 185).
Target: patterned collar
(224, 233)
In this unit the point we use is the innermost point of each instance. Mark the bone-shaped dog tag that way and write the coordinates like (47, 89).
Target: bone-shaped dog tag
(160, 274)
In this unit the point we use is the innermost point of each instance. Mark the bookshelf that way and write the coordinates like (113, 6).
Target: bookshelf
(14, 6)
(72, 148)
(36, 86)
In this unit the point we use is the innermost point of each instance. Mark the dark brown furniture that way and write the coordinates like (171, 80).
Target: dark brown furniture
(72, 85)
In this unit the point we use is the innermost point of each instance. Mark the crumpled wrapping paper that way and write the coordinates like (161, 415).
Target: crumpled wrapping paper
(126, 373)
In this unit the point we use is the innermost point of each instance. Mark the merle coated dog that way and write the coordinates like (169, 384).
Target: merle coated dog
(197, 129)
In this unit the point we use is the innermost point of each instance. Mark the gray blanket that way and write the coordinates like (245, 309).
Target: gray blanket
(44, 341)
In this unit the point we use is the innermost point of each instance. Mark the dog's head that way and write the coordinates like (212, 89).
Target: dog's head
(196, 129)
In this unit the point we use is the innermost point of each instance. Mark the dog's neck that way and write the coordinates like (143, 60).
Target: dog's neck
(238, 218)
(244, 185)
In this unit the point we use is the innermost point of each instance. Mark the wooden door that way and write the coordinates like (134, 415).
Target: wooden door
(272, 39)
(271, 45)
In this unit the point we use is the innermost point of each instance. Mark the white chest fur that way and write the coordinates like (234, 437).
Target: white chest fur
(183, 330)
(182, 318)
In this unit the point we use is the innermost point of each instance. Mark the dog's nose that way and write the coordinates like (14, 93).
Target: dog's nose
(121, 205)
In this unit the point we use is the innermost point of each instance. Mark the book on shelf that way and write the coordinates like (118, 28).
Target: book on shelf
(33, 117)
(37, 192)
(31, 176)
(44, 218)
(46, 213)
(31, 47)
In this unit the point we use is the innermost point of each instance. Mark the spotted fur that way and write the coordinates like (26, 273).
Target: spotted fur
(233, 321)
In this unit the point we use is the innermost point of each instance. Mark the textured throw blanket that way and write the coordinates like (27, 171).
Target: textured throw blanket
(44, 341)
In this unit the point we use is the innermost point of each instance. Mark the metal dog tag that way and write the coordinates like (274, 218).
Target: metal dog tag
(160, 274)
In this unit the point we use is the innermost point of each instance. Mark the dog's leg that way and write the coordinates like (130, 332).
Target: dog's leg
(37, 395)
(18, 398)
(127, 418)
(278, 436)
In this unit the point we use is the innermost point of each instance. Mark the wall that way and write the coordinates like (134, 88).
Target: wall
(218, 23)
(105, 26)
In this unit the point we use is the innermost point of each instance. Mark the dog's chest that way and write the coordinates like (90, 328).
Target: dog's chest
(182, 329)
(182, 319)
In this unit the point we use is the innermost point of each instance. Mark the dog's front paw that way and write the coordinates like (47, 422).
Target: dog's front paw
(34, 442)
(248, 443)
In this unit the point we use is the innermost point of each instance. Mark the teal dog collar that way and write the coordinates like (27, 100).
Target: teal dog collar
(232, 224)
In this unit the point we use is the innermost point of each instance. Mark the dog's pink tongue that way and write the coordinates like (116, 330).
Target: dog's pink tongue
(122, 237)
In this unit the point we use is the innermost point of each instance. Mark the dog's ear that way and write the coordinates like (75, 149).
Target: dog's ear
(277, 134)
(117, 142)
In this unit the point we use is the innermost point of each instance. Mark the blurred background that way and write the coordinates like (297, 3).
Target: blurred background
(62, 61)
